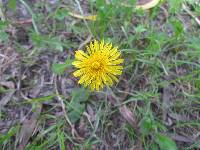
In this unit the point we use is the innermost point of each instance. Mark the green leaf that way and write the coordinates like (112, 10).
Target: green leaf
(146, 125)
(7, 136)
(75, 111)
(12, 4)
(45, 41)
(194, 43)
(100, 3)
(61, 13)
(177, 27)
(175, 5)
(132, 2)
(61, 139)
(154, 146)
(130, 132)
(55, 43)
(165, 143)
(40, 99)
(2, 90)
(60, 68)
(140, 29)
(3, 36)
(77, 104)
(3, 25)
(80, 95)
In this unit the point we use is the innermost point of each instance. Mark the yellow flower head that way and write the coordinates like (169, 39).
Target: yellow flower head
(99, 66)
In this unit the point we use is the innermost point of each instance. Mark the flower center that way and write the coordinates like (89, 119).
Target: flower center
(96, 65)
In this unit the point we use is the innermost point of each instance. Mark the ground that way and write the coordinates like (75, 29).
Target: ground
(156, 103)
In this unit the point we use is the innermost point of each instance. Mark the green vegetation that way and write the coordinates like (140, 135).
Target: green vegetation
(155, 105)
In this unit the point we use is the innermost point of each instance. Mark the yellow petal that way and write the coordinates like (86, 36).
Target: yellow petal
(113, 77)
(96, 45)
(83, 79)
(78, 64)
(113, 51)
(102, 45)
(79, 72)
(92, 86)
(88, 49)
(115, 56)
(116, 62)
(116, 70)
(107, 80)
(92, 47)
(80, 55)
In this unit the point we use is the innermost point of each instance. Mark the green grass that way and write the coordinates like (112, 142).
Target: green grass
(161, 48)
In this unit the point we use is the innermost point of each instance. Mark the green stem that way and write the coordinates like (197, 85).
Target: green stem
(32, 15)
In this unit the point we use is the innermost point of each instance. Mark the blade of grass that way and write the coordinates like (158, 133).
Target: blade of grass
(32, 14)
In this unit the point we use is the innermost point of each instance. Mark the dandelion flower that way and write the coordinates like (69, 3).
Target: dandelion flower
(99, 66)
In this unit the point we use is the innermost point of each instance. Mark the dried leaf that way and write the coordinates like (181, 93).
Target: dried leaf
(6, 98)
(182, 138)
(148, 5)
(8, 84)
(29, 125)
(28, 128)
(166, 101)
(165, 143)
(128, 115)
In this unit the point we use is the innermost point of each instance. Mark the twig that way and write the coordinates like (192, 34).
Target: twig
(85, 42)
(3, 56)
(32, 15)
(165, 71)
(81, 11)
(63, 107)
(20, 22)
(1, 12)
